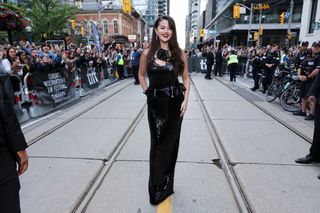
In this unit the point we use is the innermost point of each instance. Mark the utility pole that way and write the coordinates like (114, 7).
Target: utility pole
(290, 20)
(260, 17)
(250, 22)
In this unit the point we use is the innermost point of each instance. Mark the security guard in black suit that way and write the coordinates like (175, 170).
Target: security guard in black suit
(210, 61)
(307, 72)
(13, 157)
(269, 64)
(314, 95)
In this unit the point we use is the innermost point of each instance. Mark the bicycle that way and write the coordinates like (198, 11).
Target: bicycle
(279, 81)
(290, 99)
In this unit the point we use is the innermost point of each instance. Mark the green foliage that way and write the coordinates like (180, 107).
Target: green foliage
(49, 16)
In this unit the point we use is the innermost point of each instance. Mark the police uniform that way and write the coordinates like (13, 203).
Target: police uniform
(315, 147)
(210, 60)
(307, 66)
(256, 69)
(11, 141)
(269, 58)
(300, 57)
(232, 66)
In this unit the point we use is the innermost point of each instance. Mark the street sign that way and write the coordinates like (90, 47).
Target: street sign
(211, 31)
(132, 38)
(287, 15)
(243, 10)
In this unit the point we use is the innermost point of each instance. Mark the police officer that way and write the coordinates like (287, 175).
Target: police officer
(301, 54)
(120, 64)
(256, 68)
(219, 61)
(307, 73)
(232, 64)
(270, 63)
(210, 60)
(12, 153)
(314, 152)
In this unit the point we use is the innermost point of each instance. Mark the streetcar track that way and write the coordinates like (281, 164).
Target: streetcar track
(285, 124)
(65, 122)
(224, 162)
(84, 200)
(94, 183)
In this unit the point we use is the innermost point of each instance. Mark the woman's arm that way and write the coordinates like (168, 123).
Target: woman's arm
(143, 70)
(186, 83)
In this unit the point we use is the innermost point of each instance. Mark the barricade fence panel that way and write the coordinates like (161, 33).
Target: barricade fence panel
(40, 92)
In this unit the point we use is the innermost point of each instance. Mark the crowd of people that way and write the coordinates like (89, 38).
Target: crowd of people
(24, 57)
(265, 61)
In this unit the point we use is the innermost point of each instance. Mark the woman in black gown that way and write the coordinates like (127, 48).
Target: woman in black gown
(167, 102)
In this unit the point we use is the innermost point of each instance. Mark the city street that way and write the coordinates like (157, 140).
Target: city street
(236, 154)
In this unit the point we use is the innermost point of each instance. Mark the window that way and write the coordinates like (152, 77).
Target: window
(313, 15)
(115, 26)
(105, 26)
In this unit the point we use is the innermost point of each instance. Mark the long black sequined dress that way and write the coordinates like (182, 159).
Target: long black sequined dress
(165, 95)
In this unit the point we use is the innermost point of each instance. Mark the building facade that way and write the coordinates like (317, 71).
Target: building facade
(192, 20)
(310, 22)
(225, 29)
(163, 7)
(111, 20)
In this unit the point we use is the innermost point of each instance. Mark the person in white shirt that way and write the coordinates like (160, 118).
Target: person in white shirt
(11, 64)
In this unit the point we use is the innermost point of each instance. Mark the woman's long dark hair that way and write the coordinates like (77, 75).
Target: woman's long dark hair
(8, 56)
(173, 45)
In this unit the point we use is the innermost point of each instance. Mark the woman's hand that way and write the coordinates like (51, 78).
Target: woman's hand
(183, 108)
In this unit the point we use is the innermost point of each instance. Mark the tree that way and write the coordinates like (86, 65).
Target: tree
(49, 16)
(12, 18)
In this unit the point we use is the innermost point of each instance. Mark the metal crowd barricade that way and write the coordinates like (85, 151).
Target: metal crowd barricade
(27, 99)
(19, 99)
(197, 64)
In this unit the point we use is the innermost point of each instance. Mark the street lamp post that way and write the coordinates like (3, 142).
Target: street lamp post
(260, 17)
(290, 20)
(28, 29)
(250, 20)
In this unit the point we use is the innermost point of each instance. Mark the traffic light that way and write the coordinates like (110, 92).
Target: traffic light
(255, 36)
(202, 33)
(282, 18)
(83, 33)
(127, 6)
(289, 35)
(73, 24)
(236, 11)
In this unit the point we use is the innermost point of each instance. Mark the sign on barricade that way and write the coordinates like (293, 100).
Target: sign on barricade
(50, 87)
(197, 64)
(91, 79)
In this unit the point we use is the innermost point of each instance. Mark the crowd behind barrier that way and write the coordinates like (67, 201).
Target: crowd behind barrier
(300, 65)
(197, 58)
(41, 77)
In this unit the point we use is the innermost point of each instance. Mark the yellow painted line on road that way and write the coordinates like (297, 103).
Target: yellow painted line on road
(165, 206)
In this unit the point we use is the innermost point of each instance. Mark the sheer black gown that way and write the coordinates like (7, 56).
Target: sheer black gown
(165, 95)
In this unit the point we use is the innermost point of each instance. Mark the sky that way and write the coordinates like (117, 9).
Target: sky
(179, 11)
